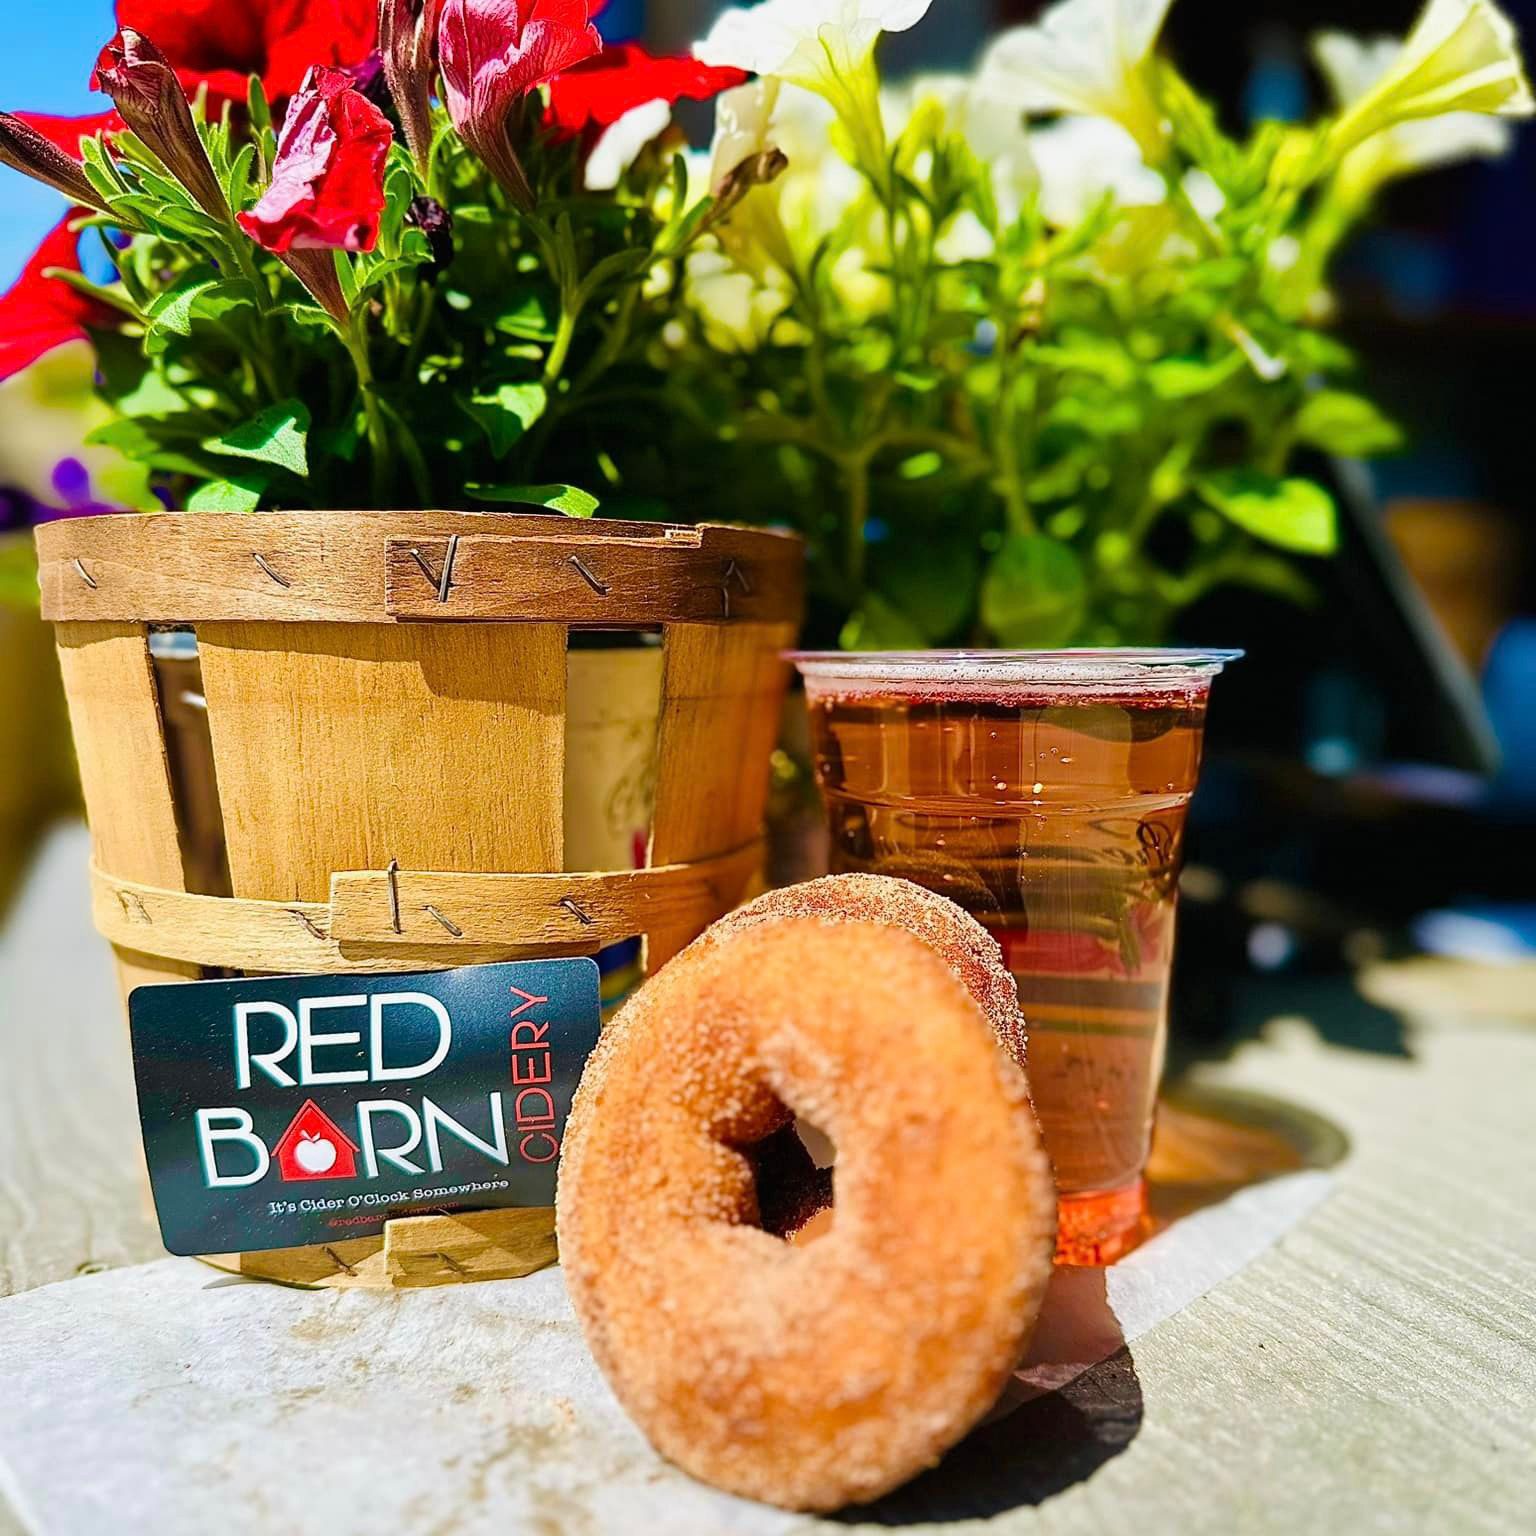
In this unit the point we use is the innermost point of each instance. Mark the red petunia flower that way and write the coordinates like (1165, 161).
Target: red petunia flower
(328, 180)
(40, 313)
(408, 54)
(23, 148)
(493, 52)
(599, 91)
(221, 43)
(146, 90)
(67, 133)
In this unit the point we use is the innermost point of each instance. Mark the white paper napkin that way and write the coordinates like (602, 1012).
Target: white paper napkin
(168, 1399)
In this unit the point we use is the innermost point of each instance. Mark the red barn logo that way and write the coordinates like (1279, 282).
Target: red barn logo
(315, 1147)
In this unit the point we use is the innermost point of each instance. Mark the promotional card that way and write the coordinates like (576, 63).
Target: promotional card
(305, 1109)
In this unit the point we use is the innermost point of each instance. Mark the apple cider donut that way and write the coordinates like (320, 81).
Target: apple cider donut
(825, 1374)
(950, 931)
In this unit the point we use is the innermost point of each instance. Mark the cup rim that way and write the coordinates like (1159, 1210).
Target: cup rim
(1090, 666)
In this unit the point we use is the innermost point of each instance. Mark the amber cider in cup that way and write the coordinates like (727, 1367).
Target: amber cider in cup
(1046, 792)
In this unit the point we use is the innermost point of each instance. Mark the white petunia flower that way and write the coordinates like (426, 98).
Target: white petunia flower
(1080, 159)
(735, 309)
(825, 46)
(742, 116)
(801, 40)
(1461, 56)
(1091, 57)
(1353, 67)
(1205, 197)
(761, 115)
(783, 221)
(965, 238)
(621, 143)
(991, 126)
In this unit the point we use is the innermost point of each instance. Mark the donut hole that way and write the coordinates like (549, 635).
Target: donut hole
(820, 1146)
(792, 1174)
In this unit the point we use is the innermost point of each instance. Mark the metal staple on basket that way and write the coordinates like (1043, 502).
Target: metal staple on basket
(595, 582)
(261, 560)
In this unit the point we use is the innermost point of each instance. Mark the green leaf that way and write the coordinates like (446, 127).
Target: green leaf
(1034, 593)
(1101, 357)
(165, 190)
(239, 183)
(276, 435)
(614, 268)
(528, 318)
(932, 586)
(339, 442)
(1180, 378)
(1294, 513)
(152, 441)
(1315, 350)
(228, 296)
(568, 499)
(153, 395)
(171, 314)
(1194, 124)
(1061, 479)
(99, 168)
(414, 253)
(506, 413)
(1274, 574)
(306, 314)
(113, 296)
(242, 493)
(100, 172)
(878, 625)
(256, 106)
(186, 223)
(1339, 422)
(135, 208)
(346, 275)
(399, 189)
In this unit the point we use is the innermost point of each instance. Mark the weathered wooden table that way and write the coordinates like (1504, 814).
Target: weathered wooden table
(1374, 1371)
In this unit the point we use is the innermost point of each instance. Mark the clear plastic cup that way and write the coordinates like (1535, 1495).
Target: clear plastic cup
(1046, 793)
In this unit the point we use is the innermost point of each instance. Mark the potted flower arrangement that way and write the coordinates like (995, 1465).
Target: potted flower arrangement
(320, 309)
(1033, 354)
(312, 304)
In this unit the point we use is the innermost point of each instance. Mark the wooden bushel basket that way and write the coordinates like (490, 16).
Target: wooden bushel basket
(386, 701)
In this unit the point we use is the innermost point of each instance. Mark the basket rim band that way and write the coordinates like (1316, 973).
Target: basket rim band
(404, 920)
(398, 567)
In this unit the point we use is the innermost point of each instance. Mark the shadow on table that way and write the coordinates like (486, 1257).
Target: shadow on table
(1213, 1017)
(1076, 1401)
(1056, 1424)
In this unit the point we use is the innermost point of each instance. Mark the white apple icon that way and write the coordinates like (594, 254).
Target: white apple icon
(315, 1154)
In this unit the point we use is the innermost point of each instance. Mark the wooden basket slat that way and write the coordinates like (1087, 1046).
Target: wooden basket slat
(349, 567)
(497, 916)
(731, 575)
(114, 713)
(344, 747)
(721, 690)
(416, 1252)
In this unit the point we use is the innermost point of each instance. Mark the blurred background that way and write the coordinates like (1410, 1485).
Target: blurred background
(1371, 794)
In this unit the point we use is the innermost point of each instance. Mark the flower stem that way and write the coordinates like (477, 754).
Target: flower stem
(1005, 447)
(855, 467)
(379, 450)
(565, 334)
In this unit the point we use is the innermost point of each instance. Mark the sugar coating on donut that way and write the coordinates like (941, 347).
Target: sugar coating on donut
(960, 941)
(826, 1374)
